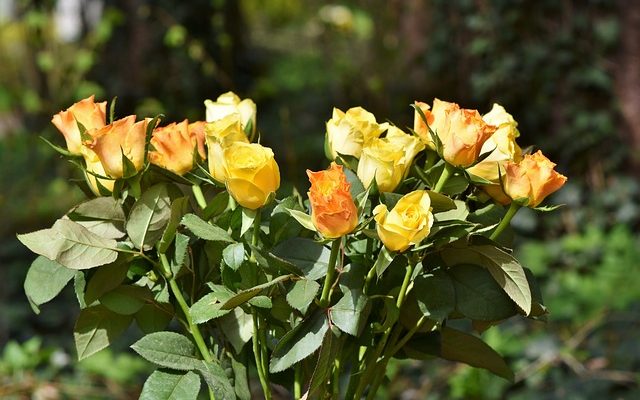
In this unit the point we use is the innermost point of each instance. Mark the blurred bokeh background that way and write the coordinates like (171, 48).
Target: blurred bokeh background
(568, 71)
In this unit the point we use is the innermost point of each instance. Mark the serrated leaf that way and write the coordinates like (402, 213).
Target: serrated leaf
(299, 343)
(126, 299)
(105, 278)
(180, 258)
(261, 302)
(241, 380)
(504, 268)
(327, 355)
(149, 216)
(311, 257)
(245, 295)
(170, 385)
(204, 230)
(233, 255)
(216, 206)
(478, 296)
(237, 327)
(303, 218)
(302, 293)
(71, 245)
(217, 381)
(210, 306)
(435, 294)
(282, 225)
(154, 317)
(96, 328)
(346, 314)
(45, 280)
(178, 209)
(248, 216)
(385, 258)
(274, 264)
(469, 349)
(169, 350)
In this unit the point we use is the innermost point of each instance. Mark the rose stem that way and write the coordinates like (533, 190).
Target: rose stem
(513, 209)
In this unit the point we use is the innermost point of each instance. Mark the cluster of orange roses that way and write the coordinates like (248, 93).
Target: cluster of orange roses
(117, 150)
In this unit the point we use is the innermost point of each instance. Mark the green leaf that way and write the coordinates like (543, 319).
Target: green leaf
(241, 380)
(71, 245)
(478, 296)
(383, 261)
(248, 216)
(218, 381)
(356, 184)
(303, 218)
(440, 202)
(261, 302)
(233, 255)
(504, 268)
(96, 328)
(178, 208)
(103, 216)
(154, 317)
(79, 285)
(469, 349)
(435, 294)
(246, 295)
(210, 306)
(302, 293)
(205, 230)
(104, 279)
(149, 217)
(45, 280)
(170, 385)
(180, 258)
(282, 225)
(274, 264)
(169, 350)
(346, 314)
(459, 213)
(299, 343)
(216, 206)
(237, 327)
(327, 355)
(126, 299)
(309, 256)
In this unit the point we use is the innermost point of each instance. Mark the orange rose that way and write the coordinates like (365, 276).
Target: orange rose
(333, 211)
(461, 131)
(532, 179)
(175, 146)
(122, 137)
(90, 114)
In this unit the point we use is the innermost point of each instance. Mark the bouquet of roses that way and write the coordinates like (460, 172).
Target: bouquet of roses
(183, 235)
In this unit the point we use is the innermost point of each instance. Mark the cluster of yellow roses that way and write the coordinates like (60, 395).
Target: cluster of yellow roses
(248, 170)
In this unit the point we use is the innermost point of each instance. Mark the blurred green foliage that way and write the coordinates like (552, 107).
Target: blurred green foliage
(550, 63)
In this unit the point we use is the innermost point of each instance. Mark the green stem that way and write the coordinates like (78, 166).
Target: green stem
(432, 156)
(297, 381)
(405, 283)
(513, 209)
(409, 335)
(444, 176)
(197, 193)
(336, 379)
(367, 280)
(257, 352)
(331, 271)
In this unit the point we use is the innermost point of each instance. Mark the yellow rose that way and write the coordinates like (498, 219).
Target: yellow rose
(124, 136)
(90, 114)
(348, 132)
(252, 174)
(502, 145)
(388, 159)
(461, 131)
(93, 165)
(333, 210)
(175, 147)
(408, 223)
(219, 135)
(532, 179)
(229, 103)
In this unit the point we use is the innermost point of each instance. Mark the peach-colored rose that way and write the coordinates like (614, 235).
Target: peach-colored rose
(532, 179)
(461, 131)
(175, 147)
(333, 212)
(122, 137)
(90, 114)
